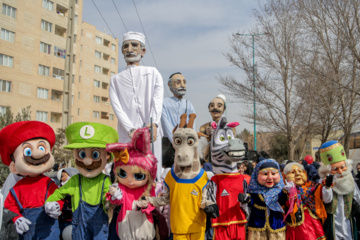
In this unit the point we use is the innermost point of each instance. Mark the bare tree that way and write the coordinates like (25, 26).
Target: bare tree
(280, 108)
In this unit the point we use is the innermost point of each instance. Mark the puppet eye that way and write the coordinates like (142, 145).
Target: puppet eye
(229, 137)
(139, 176)
(222, 138)
(122, 173)
(190, 141)
(95, 154)
(82, 154)
(41, 148)
(177, 141)
(27, 151)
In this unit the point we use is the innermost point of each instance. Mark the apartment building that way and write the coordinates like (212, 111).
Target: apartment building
(32, 62)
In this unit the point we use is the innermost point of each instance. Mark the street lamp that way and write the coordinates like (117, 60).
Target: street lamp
(253, 44)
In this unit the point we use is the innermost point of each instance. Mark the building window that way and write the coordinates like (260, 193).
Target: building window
(96, 83)
(97, 54)
(98, 40)
(55, 117)
(41, 116)
(48, 5)
(96, 114)
(2, 110)
(45, 25)
(7, 35)
(96, 99)
(56, 95)
(76, 18)
(59, 52)
(97, 69)
(5, 86)
(111, 116)
(8, 10)
(58, 73)
(44, 70)
(45, 48)
(113, 61)
(113, 47)
(6, 60)
(43, 93)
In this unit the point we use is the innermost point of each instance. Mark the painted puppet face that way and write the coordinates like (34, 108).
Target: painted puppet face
(32, 158)
(132, 51)
(297, 175)
(216, 108)
(338, 168)
(90, 161)
(131, 176)
(178, 85)
(268, 177)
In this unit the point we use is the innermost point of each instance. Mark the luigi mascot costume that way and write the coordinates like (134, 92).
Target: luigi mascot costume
(88, 188)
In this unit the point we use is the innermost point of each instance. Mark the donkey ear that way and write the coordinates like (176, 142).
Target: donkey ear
(222, 122)
(141, 140)
(214, 125)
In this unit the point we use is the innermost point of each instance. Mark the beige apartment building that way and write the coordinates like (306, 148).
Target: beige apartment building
(32, 62)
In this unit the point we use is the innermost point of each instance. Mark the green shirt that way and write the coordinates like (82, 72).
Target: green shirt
(91, 190)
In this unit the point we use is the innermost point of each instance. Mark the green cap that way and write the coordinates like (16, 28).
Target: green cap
(88, 134)
(332, 152)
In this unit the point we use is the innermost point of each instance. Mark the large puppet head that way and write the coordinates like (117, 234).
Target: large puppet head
(333, 156)
(226, 150)
(177, 84)
(266, 179)
(217, 107)
(88, 141)
(133, 47)
(26, 147)
(185, 143)
(134, 163)
(296, 173)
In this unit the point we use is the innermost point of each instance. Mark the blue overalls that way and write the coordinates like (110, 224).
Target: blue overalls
(42, 225)
(90, 221)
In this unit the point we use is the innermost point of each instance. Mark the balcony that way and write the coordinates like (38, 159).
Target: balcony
(61, 10)
(104, 115)
(56, 95)
(60, 31)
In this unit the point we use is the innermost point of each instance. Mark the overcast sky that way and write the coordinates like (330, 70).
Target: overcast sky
(186, 36)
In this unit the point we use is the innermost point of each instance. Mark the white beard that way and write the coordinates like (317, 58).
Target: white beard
(133, 59)
(344, 185)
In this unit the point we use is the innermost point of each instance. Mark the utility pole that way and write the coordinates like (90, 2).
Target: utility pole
(69, 60)
(253, 48)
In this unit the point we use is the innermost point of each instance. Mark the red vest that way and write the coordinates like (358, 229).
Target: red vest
(229, 185)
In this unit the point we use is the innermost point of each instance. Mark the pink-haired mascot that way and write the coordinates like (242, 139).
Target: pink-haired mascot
(135, 171)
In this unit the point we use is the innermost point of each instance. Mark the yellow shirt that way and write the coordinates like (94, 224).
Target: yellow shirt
(185, 198)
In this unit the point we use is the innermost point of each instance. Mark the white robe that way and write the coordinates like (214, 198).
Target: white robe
(136, 95)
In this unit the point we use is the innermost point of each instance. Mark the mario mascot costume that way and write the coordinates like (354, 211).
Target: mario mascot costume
(26, 148)
(88, 188)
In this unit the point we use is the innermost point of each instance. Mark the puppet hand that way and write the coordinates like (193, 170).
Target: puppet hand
(118, 194)
(142, 202)
(329, 180)
(154, 131)
(212, 211)
(288, 185)
(22, 225)
(209, 131)
(53, 209)
(113, 188)
(243, 198)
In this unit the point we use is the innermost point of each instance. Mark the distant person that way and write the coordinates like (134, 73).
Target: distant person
(136, 94)
(311, 169)
(173, 108)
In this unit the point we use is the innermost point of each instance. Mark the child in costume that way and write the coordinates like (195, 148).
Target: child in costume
(88, 189)
(186, 187)
(305, 208)
(266, 197)
(135, 170)
(26, 148)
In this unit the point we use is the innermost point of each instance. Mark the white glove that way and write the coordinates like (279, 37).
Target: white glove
(118, 194)
(142, 203)
(288, 185)
(53, 209)
(22, 225)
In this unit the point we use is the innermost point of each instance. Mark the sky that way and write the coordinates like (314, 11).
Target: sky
(184, 36)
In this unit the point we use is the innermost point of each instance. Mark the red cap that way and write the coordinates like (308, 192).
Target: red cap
(14, 134)
(309, 159)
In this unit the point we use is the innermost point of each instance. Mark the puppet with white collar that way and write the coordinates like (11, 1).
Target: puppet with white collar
(87, 189)
(26, 148)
